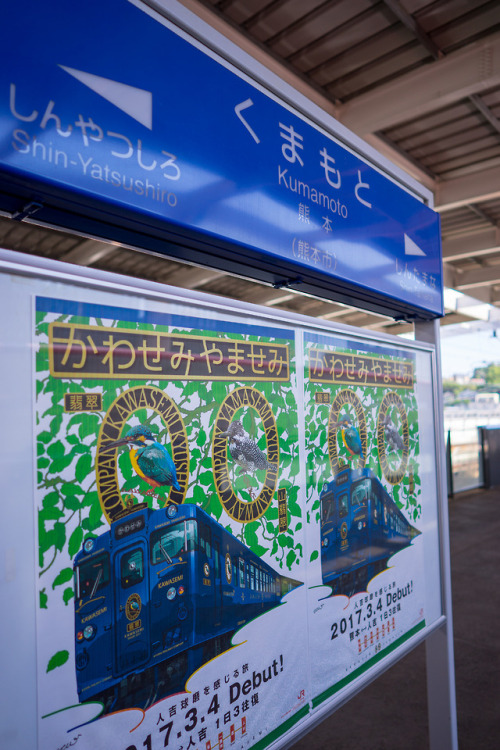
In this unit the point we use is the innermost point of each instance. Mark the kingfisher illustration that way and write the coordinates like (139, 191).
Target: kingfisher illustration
(245, 451)
(151, 460)
(350, 437)
(394, 439)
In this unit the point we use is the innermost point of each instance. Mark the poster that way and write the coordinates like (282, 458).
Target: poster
(236, 518)
(364, 503)
(171, 580)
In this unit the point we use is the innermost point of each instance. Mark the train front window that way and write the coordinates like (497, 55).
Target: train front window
(361, 492)
(91, 576)
(327, 507)
(132, 568)
(173, 540)
(343, 506)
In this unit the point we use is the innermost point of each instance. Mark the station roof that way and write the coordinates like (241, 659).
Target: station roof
(418, 80)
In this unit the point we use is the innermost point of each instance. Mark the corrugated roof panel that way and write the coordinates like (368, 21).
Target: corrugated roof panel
(314, 20)
(471, 158)
(434, 125)
(378, 71)
(469, 26)
(343, 40)
(461, 220)
(240, 11)
(463, 152)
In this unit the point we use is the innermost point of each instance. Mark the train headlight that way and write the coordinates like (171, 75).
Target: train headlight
(171, 593)
(171, 511)
(88, 545)
(181, 590)
(89, 632)
(360, 525)
(79, 636)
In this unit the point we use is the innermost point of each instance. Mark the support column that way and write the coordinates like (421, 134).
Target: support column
(441, 700)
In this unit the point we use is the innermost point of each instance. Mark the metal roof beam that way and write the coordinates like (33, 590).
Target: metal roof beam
(479, 186)
(486, 276)
(468, 71)
(411, 24)
(485, 111)
(481, 242)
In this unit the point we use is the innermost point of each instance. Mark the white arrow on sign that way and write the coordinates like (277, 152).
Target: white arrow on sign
(135, 102)
(411, 248)
(239, 109)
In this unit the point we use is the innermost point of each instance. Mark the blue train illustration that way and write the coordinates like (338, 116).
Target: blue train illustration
(158, 595)
(361, 528)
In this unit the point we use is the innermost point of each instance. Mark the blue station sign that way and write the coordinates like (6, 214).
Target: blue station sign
(114, 122)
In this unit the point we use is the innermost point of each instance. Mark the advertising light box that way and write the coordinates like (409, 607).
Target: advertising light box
(151, 139)
(236, 515)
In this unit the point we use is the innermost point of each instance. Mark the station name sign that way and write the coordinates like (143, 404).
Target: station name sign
(156, 135)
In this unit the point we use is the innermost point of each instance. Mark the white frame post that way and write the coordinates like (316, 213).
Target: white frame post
(441, 699)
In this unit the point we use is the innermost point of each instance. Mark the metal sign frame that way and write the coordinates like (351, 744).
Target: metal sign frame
(40, 276)
(439, 644)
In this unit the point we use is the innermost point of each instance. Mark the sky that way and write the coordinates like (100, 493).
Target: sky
(462, 352)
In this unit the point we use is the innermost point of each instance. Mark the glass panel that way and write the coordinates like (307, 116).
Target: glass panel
(167, 543)
(192, 535)
(132, 568)
(464, 451)
(328, 507)
(360, 492)
(343, 506)
(91, 576)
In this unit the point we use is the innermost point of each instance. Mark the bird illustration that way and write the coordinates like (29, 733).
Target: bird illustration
(394, 439)
(245, 451)
(151, 460)
(350, 437)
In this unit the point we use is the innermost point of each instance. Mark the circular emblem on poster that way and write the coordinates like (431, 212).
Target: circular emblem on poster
(345, 398)
(229, 568)
(133, 607)
(206, 570)
(237, 509)
(122, 408)
(393, 438)
(343, 530)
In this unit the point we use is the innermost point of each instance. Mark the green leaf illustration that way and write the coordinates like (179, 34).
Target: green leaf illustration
(83, 467)
(64, 576)
(290, 559)
(75, 541)
(59, 658)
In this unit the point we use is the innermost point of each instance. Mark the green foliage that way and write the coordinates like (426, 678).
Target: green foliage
(318, 465)
(65, 575)
(490, 373)
(69, 510)
(59, 658)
